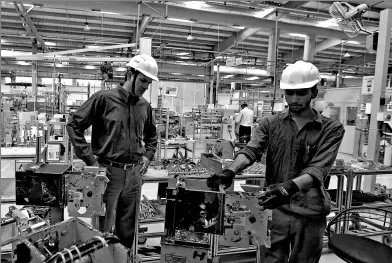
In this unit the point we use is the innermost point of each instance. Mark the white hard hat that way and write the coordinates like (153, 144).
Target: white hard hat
(146, 65)
(300, 75)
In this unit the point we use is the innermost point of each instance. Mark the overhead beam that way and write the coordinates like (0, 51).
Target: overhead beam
(323, 45)
(282, 13)
(234, 40)
(364, 59)
(142, 27)
(202, 15)
(29, 25)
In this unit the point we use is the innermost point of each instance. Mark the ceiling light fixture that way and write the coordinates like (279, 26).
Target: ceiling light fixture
(121, 69)
(252, 78)
(228, 76)
(353, 42)
(195, 4)
(264, 13)
(86, 26)
(175, 73)
(90, 67)
(297, 35)
(50, 43)
(239, 27)
(347, 55)
(183, 53)
(189, 37)
(180, 20)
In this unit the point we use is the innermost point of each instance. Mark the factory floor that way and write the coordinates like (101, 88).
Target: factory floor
(150, 191)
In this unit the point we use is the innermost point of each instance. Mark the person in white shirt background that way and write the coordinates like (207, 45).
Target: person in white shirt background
(245, 121)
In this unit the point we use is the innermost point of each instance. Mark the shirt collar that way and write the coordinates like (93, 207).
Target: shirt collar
(127, 97)
(317, 116)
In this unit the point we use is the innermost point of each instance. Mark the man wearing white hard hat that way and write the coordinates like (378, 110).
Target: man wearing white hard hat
(124, 140)
(301, 146)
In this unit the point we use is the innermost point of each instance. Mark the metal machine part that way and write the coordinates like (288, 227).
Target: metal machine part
(245, 223)
(84, 191)
(194, 218)
(70, 241)
(40, 184)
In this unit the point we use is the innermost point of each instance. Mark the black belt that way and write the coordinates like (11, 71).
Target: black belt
(125, 166)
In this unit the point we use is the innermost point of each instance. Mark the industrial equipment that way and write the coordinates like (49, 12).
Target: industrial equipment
(197, 220)
(85, 191)
(70, 241)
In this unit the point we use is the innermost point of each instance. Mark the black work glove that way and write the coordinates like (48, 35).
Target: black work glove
(277, 195)
(224, 179)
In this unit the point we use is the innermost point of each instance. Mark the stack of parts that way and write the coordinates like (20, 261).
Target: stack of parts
(256, 168)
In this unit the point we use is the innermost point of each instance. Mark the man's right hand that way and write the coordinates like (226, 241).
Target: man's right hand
(224, 180)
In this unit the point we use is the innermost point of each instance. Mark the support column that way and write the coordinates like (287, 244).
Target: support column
(34, 75)
(145, 45)
(310, 44)
(380, 80)
(272, 44)
(210, 80)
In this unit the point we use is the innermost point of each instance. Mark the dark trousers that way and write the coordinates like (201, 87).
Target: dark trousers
(122, 199)
(244, 133)
(294, 238)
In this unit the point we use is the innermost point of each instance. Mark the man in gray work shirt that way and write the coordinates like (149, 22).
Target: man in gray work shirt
(121, 122)
(301, 147)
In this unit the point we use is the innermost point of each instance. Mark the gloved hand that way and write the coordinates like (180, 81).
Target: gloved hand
(145, 162)
(277, 195)
(224, 179)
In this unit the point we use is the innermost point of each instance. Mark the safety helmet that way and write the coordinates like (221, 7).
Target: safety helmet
(300, 75)
(146, 65)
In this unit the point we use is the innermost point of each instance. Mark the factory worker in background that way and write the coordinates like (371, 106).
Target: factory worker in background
(301, 146)
(124, 140)
(245, 121)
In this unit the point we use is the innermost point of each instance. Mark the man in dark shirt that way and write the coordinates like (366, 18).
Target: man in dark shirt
(301, 146)
(124, 140)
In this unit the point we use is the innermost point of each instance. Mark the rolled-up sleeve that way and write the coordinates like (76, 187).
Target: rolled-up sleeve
(321, 163)
(150, 136)
(258, 143)
(78, 123)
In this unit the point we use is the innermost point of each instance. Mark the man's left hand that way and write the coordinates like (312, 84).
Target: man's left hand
(145, 162)
(278, 195)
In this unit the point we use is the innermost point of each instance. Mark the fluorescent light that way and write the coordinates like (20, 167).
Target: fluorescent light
(200, 75)
(353, 42)
(297, 35)
(182, 53)
(60, 65)
(239, 27)
(121, 69)
(92, 46)
(107, 13)
(175, 73)
(90, 67)
(3, 41)
(180, 20)
(264, 13)
(252, 78)
(195, 4)
(219, 57)
(228, 76)
(185, 57)
(189, 37)
(50, 43)
(327, 23)
(23, 63)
